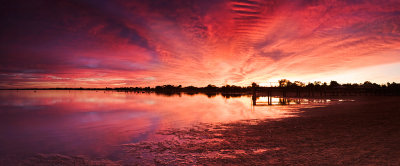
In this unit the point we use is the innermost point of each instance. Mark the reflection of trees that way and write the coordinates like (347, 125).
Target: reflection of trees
(210, 94)
(229, 95)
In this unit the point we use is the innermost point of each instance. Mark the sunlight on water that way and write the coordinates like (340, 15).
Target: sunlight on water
(96, 122)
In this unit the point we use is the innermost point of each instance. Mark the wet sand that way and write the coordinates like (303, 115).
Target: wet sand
(366, 131)
(363, 132)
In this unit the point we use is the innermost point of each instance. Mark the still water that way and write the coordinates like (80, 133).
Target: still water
(97, 123)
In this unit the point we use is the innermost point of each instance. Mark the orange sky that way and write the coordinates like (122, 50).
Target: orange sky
(133, 43)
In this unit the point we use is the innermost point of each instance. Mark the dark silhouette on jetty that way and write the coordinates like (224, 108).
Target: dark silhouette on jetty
(285, 88)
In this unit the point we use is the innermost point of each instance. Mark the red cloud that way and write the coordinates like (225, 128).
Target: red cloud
(194, 43)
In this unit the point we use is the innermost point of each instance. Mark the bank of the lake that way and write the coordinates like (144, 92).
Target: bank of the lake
(366, 131)
(362, 131)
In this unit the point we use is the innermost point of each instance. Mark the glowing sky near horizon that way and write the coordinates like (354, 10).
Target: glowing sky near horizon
(95, 43)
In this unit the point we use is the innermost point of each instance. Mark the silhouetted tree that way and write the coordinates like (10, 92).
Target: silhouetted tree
(210, 87)
(285, 87)
(283, 82)
(334, 84)
(254, 85)
(299, 84)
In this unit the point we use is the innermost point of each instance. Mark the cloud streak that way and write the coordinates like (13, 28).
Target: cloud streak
(124, 43)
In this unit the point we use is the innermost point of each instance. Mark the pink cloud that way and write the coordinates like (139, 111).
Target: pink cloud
(129, 43)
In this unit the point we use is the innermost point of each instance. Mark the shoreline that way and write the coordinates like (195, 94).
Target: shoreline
(362, 132)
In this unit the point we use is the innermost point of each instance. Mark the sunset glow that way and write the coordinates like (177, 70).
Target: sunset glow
(93, 43)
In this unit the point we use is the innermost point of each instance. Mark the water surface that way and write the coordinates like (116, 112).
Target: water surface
(96, 123)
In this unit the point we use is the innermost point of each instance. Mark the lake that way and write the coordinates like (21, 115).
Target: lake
(97, 123)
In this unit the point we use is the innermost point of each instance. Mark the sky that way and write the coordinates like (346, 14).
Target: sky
(104, 43)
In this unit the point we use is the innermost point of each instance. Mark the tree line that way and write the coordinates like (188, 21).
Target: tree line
(284, 87)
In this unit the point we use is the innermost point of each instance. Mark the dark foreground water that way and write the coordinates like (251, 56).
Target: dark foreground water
(97, 123)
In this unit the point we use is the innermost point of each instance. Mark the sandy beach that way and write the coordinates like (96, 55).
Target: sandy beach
(363, 132)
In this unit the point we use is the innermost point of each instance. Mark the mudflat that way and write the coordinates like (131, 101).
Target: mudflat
(360, 132)
(365, 131)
